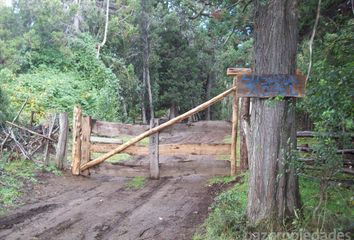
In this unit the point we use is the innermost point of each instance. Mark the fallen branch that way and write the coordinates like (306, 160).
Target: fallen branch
(22, 149)
(30, 131)
(15, 118)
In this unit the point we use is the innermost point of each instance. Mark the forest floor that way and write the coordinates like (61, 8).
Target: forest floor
(113, 205)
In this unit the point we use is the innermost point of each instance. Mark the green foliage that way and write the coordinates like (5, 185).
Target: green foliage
(228, 217)
(136, 183)
(221, 180)
(329, 90)
(13, 177)
(338, 210)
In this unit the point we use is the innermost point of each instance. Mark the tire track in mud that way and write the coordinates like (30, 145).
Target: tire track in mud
(103, 231)
(11, 220)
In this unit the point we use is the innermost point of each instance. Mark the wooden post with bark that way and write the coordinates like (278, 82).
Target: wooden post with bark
(154, 151)
(50, 130)
(76, 151)
(85, 142)
(233, 156)
(244, 119)
(61, 151)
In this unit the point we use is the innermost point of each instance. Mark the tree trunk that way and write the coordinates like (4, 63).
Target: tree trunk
(273, 195)
(105, 32)
(77, 17)
(146, 54)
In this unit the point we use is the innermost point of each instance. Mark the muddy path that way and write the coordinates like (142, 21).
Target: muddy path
(103, 207)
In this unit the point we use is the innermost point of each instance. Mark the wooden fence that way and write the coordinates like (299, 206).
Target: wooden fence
(94, 136)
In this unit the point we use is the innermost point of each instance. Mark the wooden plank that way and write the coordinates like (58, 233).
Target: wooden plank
(157, 129)
(107, 147)
(234, 128)
(238, 71)
(76, 149)
(95, 139)
(85, 142)
(111, 129)
(154, 151)
(168, 149)
(60, 156)
(272, 85)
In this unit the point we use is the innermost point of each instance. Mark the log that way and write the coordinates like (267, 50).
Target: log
(157, 129)
(313, 134)
(76, 150)
(30, 131)
(340, 151)
(60, 156)
(168, 149)
(234, 132)
(85, 142)
(154, 151)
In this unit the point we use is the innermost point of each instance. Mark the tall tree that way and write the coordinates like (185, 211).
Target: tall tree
(273, 194)
(146, 55)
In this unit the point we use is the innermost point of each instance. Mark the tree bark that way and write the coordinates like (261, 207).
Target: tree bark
(273, 195)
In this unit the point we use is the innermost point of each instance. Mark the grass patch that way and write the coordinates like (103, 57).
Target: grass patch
(228, 217)
(338, 211)
(136, 183)
(221, 180)
(227, 221)
(13, 177)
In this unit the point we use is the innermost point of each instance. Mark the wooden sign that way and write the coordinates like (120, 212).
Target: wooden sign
(264, 86)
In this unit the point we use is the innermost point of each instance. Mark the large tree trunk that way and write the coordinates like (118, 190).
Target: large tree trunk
(273, 194)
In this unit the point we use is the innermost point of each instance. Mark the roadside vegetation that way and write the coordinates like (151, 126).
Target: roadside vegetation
(19, 176)
(228, 221)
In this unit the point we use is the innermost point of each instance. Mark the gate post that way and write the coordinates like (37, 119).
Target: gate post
(62, 141)
(234, 131)
(154, 151)
(76, 151)
(85, 142)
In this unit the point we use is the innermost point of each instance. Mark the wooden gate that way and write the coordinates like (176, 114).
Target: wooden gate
(94, 136)
(84, 126)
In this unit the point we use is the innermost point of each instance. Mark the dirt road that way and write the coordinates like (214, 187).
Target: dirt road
(102, 207)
